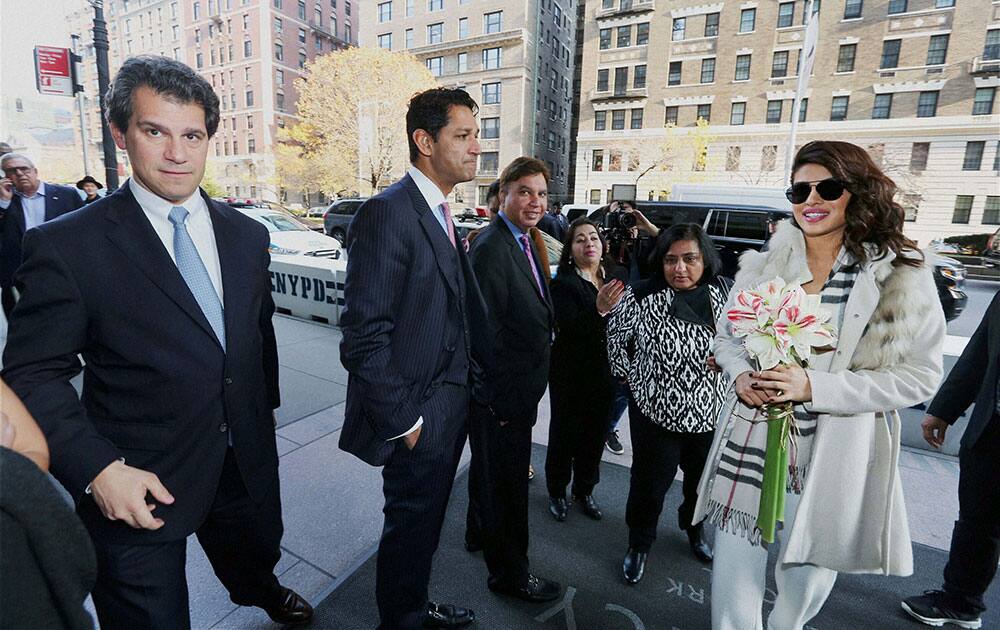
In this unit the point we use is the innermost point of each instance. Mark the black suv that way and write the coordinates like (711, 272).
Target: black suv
(735, 229)
(338, 217)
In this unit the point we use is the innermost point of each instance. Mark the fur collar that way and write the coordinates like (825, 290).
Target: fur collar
(891, 331)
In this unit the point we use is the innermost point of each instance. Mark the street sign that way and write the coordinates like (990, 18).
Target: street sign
(52, 71)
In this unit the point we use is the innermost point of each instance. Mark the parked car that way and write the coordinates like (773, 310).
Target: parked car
(338, 217)
(949, 276)
(291, 237)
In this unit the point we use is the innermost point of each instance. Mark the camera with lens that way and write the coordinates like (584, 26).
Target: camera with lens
(617, 224)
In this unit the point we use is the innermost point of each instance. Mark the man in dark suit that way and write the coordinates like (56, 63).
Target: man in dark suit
(975, 541)
(507, 266)
(25, 201)
(412, 312)
(165, 294)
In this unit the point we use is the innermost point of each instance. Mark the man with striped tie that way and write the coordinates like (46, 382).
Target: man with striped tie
(166, 295)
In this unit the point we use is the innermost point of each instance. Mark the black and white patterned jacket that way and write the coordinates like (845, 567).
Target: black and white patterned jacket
(664, 359)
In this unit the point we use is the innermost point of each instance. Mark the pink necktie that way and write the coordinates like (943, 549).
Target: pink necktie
(526, 246)
(449, 228)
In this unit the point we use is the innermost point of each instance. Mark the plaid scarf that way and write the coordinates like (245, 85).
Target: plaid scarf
(739, 471)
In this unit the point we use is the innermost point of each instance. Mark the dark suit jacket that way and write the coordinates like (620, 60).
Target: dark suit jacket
(403, 319)
(158, 389)
(974, 378)
(521, 322)
(58, 201)
(551, 226)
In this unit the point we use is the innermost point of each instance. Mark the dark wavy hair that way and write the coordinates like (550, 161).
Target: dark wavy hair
(165, 76)
(430, 110)
(566, 259)
(872, 214)
(687, 232)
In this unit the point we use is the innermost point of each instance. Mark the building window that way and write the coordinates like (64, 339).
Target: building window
(991, 212)
(602, 80)
(277, 25)
(708, 70)
(491, 93)
(409, 37)
(705, 112)
(302, 60)
(983, 101)
(742, 68)
(838, 108)
(937, 50)
(279, 51)
(768, 157)
(779, 64)
(845, 58)
(748, 20)
(624, 37)
(733, 158)
(435, 5)
(614, 162)
(996, 157)
(639, 77)
(890, 53)
(463, 62)
(491, 58)
(488, 162)
(636, 122)
(385, 41)
(973, 155)
(621, 81)
(963, 208)
(943, 4)
(247, 48)
(597, 162)
(196, 10)
(600, 120)
(918, 156)
(605, 38)
(927, 105)
(674, 73)
(991, 49)
(409, 8)
(249, 98)
(897, 6)
(712, 25)
(737, 114)
(199, 60)
(595, 196)
(302, 10)
(490, 128)
(434, 33)
(493, 22)
(786, 14)
(670, 117)
(642, 34)
(774, 111)
(463, 28)
(435, 65)
(677, 31)
(883, 106)
(251, 145)
(852, 9)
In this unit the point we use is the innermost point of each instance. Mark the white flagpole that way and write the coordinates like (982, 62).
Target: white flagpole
(808, 56)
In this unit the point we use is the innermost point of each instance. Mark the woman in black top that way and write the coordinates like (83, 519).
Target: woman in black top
(659, 339)
(580, 384)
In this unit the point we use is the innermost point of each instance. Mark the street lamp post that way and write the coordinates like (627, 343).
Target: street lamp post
(101, 51)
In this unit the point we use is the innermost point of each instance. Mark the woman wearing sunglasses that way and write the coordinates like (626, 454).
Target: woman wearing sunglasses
(844, 507)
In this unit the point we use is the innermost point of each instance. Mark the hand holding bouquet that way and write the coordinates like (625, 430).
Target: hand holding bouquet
(780, 324)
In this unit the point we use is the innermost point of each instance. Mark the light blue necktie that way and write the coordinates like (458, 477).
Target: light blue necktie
(192, 268)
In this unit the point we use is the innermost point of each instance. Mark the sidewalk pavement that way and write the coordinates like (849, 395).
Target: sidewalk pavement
(332, 502)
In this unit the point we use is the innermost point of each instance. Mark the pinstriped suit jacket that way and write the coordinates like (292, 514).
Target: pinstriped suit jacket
(402, 320)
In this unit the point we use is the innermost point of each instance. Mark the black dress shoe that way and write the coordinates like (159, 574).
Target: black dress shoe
(447, 616)
(292, 611)
(633, 565)
(534, 590)
(589, 506)
(699, 547)
(558, 508)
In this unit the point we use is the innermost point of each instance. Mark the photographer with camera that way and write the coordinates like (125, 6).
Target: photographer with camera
(631, 237)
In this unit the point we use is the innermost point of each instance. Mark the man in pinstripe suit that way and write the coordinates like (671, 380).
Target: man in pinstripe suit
(409, 297)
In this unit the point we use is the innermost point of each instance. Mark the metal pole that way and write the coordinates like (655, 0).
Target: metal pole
(79, 104)
(101, 51)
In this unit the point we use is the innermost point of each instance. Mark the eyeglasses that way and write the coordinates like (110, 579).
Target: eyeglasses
(829, 189)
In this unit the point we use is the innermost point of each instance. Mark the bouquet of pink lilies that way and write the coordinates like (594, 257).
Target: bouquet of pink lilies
(780, 324)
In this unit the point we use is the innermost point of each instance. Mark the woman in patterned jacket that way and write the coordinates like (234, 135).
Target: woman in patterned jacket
(659, 339)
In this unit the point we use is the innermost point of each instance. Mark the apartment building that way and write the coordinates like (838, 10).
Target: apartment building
(515, 59)
(913, 81)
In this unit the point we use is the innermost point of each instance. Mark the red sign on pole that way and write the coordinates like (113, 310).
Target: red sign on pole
(52, 71)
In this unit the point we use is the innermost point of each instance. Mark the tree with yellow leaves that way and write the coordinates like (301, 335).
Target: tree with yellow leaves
(351, 134)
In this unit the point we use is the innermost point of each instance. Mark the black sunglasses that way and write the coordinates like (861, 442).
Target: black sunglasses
(829, 189)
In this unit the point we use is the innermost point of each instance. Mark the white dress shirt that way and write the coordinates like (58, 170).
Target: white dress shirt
(199, 226)
(33, 207)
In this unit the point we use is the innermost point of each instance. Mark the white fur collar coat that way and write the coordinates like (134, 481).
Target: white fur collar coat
(851, 516)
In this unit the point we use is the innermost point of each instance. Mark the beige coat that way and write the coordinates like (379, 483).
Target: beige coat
(851, 516)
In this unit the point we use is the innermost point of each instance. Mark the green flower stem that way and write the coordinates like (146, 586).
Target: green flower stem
(772, 492)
